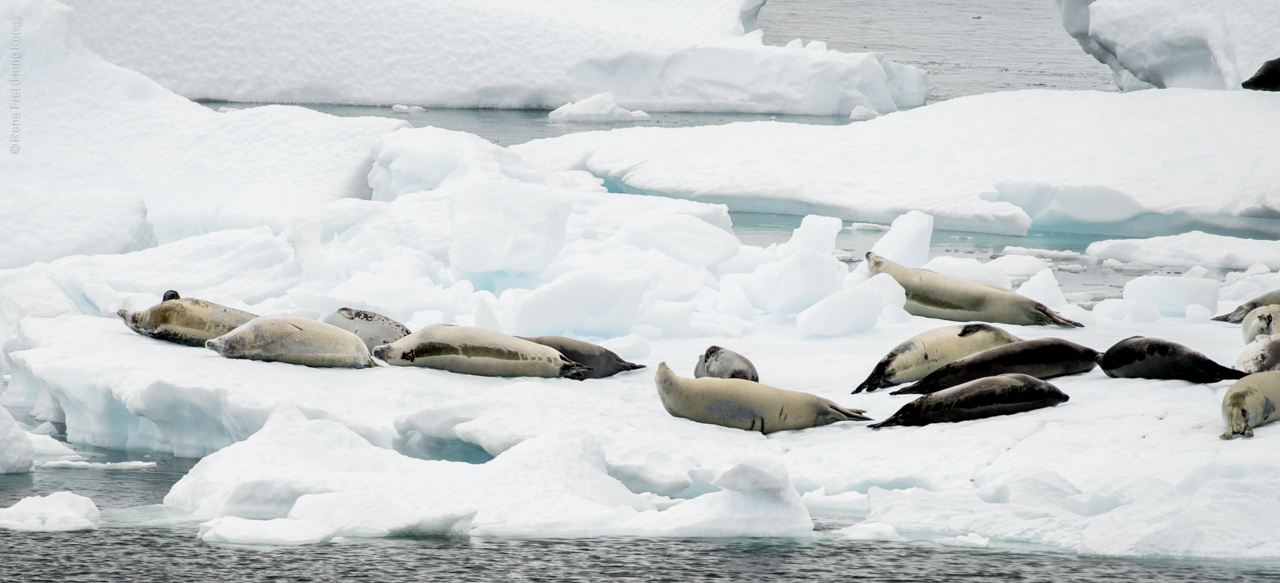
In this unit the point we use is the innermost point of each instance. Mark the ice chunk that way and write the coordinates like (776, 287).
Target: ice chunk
(815, 232)
(1044, 253)
(894, 314)
(972, 540)
(276, 532)
(507, 227)
(1018, 265)
(367, 514)
(861, 113)
(1172, 295)
(794, 283)
(630, 347)
(853, 310)
(670, 317)
(595, 108)
(15, 448)
(1191, 249)
(43, 223)
(1043, 288)
(84, 465)
(1198, 313)
(59, 511)
(686, 238)
(871, 531)
(599, 302)
(891, 292)
(907, 242)
(398, 108)
(968, 269)
(1196, 271)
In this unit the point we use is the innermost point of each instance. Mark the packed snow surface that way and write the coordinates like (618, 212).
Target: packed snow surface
(1131, 164)
(1176, 43)
(59, 511)
(43, 222)
(656, 55)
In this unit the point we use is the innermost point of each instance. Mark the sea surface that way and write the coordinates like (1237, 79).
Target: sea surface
(968, 47)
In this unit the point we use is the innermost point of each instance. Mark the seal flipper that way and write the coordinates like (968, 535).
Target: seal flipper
(1048, 316)
(170, 295)
(917, 388)
(851, 414)
(874, 381)
(572, 370)
(890, 422)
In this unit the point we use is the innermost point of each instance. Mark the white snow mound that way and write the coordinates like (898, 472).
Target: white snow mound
(59, 511)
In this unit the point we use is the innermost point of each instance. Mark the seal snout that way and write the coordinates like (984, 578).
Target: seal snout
(380, 351)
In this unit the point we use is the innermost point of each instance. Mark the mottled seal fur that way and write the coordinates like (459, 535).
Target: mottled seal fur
(1261, 355)
(185, 321)
(744, 404)
(1044, 358)
(295, 341)
(1251, 402)
(477, 351)
(926, 352)
(1260, 321)
(1237, 315)
(978, 399)
(934, 295)
(373, 328)
(1266, 79)
(1139, 357)
(603, 362)
(722, 363)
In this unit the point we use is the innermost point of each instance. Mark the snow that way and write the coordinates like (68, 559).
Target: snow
(657, 55)
(871, 531)
(93, 125)
(1176, 43)
(595, 108)
(856, 309)
(1172, 295)
(57, 512)
(972, 540)
(43, 222)
(278, 532)
(1191, 249)
(978, 163)
(16, 450)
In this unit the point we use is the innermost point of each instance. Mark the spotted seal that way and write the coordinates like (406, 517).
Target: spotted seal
(373, 328)
(722, 363)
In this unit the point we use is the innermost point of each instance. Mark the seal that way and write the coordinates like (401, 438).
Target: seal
(295, 341)
(926, 352)
(603, 362)
(477, 351)
(1251, 402)
(744, 404)
(373, 328)
(1237, 315)
(1261, 355)
(1139, 357)
(978, 399)
(934, 295)
(1266, 79)
(1260, 321)
(722, 363)
(1044, 358)
(185, 320)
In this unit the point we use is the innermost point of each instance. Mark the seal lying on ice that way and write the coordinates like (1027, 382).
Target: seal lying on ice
(722, 363)
(934, 295)
(1237, 315)
(477, 351)
(1044, 358)
(373, 328)
(744, 404)
(184, 320)
(1266, 79)
(926, 352)
(1261, 355)
(985, 397)
(603, 362)
(1261, 321)
(1139, 357)
(295, 341)
(1253, 401)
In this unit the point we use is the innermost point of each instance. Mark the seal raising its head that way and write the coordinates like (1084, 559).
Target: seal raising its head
(926, 352)
(184, 321)
(477, 351)
(934, 295)
(722, 363)
(748, 405)
(1254, 400)
(1262, 321)
(295, 341)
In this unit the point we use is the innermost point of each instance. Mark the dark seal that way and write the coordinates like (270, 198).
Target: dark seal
(1266, 79)
(1044, 358)
(986, 397)
(603, 362)
(723, 363)
(1140, 357)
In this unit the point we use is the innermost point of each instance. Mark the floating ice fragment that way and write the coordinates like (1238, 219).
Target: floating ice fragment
(275, 532)
(599, 107)
(871, 531)
(972, 540)
(861, 113)
(406, 108)
(59, 511)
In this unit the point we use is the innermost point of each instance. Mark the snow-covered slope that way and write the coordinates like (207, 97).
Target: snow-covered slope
(655, 55)
(1069, 161)
(1176, 43)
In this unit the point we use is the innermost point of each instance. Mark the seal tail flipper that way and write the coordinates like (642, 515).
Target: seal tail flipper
(852, 414)
(1230, 373)
(1235, 316)
(630, 365)
(575, 371)
(1051, 317)
(890, 422)
(915, 389)
(874, 381)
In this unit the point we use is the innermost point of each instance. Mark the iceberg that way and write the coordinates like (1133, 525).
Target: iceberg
(57, 512)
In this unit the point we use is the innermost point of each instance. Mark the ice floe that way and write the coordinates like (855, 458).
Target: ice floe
(59, 511)
(596, 108)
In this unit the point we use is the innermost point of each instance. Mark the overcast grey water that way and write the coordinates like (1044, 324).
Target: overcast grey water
(968, 47)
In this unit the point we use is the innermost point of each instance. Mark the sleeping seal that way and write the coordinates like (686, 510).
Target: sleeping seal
(1140, 357)
(373, 328)
(184, 321)
(721, 363)
(1044, 358)
(1262, 321)
(295, 341)
(603, 362)
(1266, 79)
(934, 295)
(985, 397)
(1237, 315)
(477, 351)
(924, 353)
(1261, 355)
(744, 404)
(1253, 401)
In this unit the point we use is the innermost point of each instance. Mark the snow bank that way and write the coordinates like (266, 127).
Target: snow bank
(43, 223)
(1176, 43)
(658, 55)
(977, 163)
(597, 108)
(92, 125)
(1191, 249)
(15, 448)
(59, 511)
